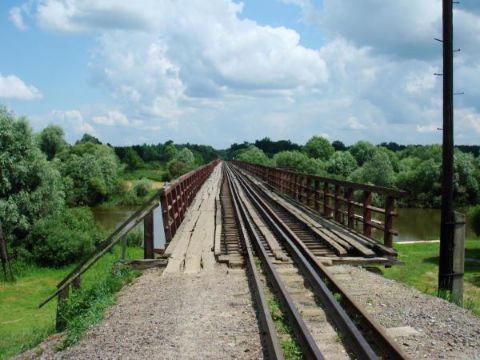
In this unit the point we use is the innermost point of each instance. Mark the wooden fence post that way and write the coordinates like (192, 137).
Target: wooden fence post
(148, 236)
(62, 299)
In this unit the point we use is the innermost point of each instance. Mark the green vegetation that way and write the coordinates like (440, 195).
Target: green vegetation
(64, 238)
(291, 348)
(87, 307)
(22, 324)
(475, 216)
(414, 168)
(421, 270)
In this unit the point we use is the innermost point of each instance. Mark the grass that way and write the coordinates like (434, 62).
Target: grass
(291, 348)
(155, 174)
(22, 324)
(421, 270)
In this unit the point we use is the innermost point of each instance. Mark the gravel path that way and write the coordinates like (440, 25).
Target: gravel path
(179, 316)
(443, 330)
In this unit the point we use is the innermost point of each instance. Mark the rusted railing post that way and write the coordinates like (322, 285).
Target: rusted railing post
(166, 218)
(317, 194)
(337, 203)
(389, 214)
(367, 213)
(326, 200)
(148, 236)
(350, 209)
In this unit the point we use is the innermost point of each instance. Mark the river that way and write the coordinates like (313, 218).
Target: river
(113, 216)
(412, 224)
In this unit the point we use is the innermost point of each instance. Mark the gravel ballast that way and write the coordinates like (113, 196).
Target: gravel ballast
(203, 316)
(441, 330)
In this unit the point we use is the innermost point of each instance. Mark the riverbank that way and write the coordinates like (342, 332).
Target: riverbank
(22, 324)
(421, 270)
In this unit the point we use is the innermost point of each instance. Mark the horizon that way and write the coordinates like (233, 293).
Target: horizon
(226, 72)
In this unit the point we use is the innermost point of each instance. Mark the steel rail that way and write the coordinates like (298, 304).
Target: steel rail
(273, 347)
(344, 323)
(300, 329)
(382, 340)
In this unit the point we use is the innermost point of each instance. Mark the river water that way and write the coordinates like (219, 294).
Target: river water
(112, 217)
(412, 224)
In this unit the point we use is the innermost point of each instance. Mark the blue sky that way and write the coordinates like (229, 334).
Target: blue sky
(223, 71)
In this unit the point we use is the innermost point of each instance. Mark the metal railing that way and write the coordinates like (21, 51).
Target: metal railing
(343, 201)
(178, 196)
(174, 199)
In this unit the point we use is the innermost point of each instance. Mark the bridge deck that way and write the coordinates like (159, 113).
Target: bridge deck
(191, 250)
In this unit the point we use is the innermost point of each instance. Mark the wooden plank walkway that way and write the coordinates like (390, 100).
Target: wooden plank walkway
(192, 248)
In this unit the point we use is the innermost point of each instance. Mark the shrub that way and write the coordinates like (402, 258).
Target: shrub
(298, 161)
(64, 238)
(475, 217)
(254, 155)
(142, 187)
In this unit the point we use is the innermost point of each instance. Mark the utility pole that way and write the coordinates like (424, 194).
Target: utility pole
(446, 271)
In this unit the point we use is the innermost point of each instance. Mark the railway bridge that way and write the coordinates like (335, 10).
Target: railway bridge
(262, 256)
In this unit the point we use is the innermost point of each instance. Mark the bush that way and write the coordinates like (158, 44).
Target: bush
(64, 238)
(475, 217)
(254, 155)
(142, 187)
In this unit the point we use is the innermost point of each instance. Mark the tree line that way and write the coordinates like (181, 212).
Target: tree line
(47, 186)
(414, 168)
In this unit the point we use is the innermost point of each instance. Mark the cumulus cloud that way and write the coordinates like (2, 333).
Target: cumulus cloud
(12, 87)
(200, 71)
(72, 120)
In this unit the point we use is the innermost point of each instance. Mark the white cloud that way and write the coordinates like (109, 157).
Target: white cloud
(427, 128)
(16, 17)
(200, 71)
(12, 87)
(72, 120)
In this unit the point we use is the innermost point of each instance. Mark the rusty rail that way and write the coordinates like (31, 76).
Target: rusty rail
(174, 199)
(345, 202)
(177, 196)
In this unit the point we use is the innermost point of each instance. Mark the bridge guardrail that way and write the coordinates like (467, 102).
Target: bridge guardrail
(335, 199)
(174, 199)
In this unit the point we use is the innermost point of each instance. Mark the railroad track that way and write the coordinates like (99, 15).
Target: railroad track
(325, 320)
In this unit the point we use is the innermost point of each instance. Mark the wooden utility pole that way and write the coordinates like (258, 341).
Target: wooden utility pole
(448, 272)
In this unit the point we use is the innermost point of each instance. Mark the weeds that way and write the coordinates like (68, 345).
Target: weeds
(87, 307)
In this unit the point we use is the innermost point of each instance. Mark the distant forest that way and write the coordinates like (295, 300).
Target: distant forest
(415, 168)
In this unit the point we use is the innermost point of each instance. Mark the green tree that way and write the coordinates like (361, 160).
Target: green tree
(30, 187)
(90, 173)
(362, 151)
(64, 237)
(131, 159)
(319, 148)
(51, 140)
(341, 164)
(183, 163)
(378, 171)
(466, 187)
(298, 161)
(87, 138)
(253, 155)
